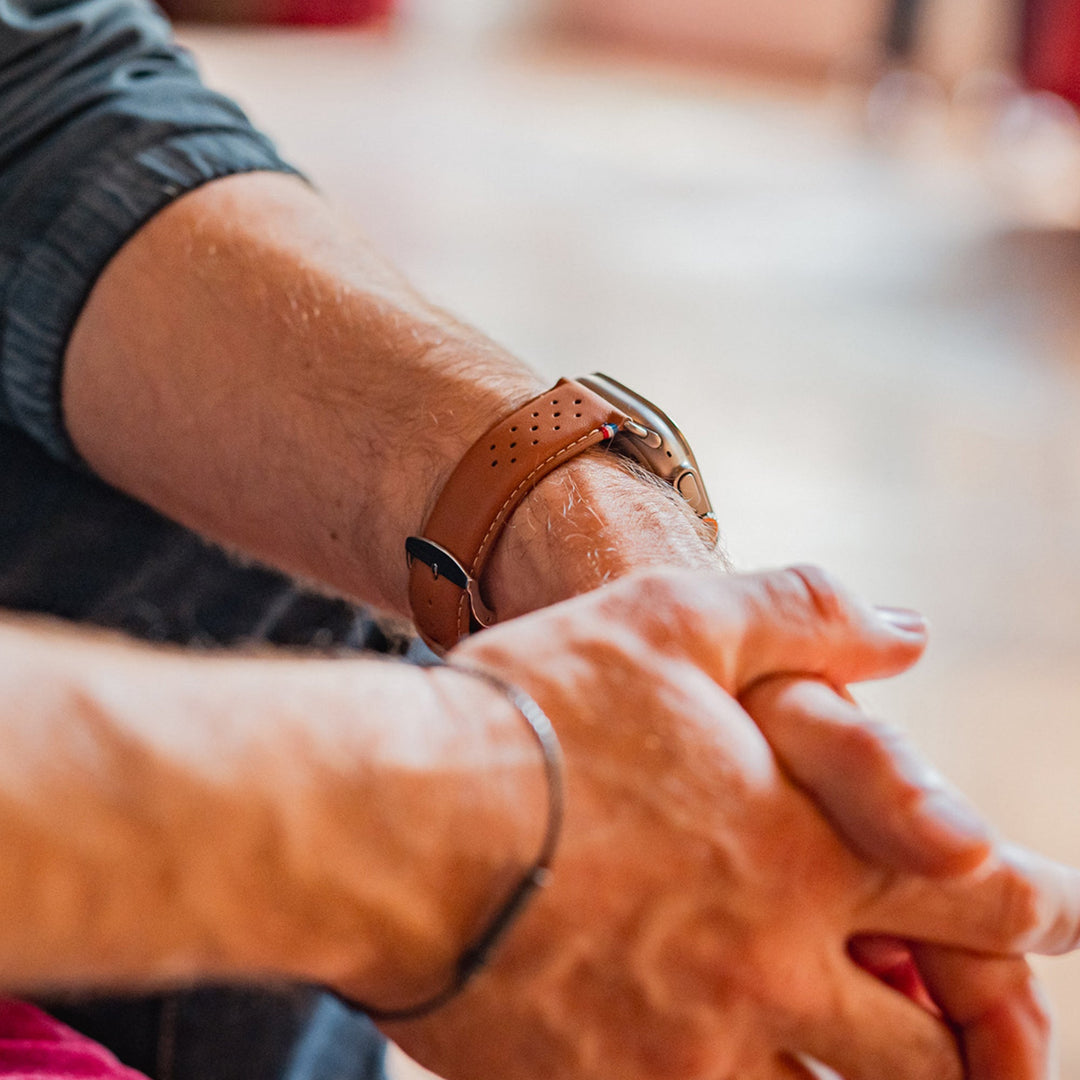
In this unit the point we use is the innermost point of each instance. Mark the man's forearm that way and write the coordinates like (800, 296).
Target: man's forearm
(166, 816)
(249, 366)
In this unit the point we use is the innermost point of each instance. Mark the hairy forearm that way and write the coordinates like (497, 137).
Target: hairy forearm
(165, 817)
(249, 366)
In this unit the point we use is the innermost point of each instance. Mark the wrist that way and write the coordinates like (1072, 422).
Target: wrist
(589, 522)
(413, 840)
(222, 817)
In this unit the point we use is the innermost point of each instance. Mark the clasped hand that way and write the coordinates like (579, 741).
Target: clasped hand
(736, 829)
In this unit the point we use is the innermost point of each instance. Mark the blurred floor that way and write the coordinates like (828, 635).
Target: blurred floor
(873, 352)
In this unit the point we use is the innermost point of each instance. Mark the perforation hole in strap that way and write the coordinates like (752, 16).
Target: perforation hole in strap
(551, 419)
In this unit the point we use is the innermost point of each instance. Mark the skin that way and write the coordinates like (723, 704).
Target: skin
(286, 393)
(167, 817)
(702, 906)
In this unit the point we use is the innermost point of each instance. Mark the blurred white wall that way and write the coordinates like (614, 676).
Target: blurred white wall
(785, 31)
(780, 31)
(467, 22)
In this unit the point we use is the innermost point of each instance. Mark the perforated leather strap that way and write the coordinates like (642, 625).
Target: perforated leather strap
(497, 472)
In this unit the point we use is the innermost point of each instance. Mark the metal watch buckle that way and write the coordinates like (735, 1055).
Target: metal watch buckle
(653, 441)
(443, 564)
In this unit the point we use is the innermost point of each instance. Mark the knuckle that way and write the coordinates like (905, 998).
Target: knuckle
(860, 747)
(651, 601)
(1061, 932)
(671, 607)
(889, 756)
(876, 746)
(1041, 1018)
(820, 591)
(1013, 912)
(639, 594)
(1036, 1006)
(1020, 999)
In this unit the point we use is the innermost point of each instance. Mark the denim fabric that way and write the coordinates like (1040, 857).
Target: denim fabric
(103, 121)
(73, 547)
(232, 1033)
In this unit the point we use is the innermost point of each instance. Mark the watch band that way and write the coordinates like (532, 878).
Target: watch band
(496, 473)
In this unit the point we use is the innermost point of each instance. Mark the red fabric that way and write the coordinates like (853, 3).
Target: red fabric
(891, 961)
(34, 1046)
(332, 12)
(1052, 47)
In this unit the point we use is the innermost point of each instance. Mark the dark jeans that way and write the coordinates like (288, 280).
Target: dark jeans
(72, 547)
(232, 1033)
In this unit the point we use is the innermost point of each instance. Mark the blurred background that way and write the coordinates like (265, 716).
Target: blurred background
(837, 241)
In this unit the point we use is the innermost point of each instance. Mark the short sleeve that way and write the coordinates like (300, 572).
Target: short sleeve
(104, 120)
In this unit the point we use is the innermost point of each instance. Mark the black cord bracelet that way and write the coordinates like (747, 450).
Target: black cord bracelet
(478, 952)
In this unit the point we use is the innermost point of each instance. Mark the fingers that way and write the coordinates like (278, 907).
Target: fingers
(802, 621)
(997, 1010)
(1016, 902)
(745, 627)
(993, 1004)
(899, 814)
(887, 804)
(868, 1031)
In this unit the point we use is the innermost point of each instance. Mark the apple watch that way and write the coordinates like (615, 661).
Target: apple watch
(650, 437)
(447, 562)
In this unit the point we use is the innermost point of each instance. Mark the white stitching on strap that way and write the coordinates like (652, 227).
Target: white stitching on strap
(463, 605)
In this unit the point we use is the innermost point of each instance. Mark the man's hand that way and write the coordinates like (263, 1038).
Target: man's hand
(993, 1003)
(173, 816)
(701, 909)
(287, 394)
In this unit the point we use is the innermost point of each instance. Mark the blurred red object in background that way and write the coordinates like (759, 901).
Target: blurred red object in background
(282, 12)
(332, 12)
(779, 34)
(1051, 47)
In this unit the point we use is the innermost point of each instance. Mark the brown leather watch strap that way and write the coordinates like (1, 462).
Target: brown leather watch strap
(496, 473)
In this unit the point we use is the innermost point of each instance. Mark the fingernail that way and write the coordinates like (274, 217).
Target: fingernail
(951, 811)
(910, 622)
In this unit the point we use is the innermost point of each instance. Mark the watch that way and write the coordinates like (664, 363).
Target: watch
(651, 438)
(447, 562)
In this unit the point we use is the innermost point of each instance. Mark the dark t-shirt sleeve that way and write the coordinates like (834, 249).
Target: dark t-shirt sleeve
(103, 121)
